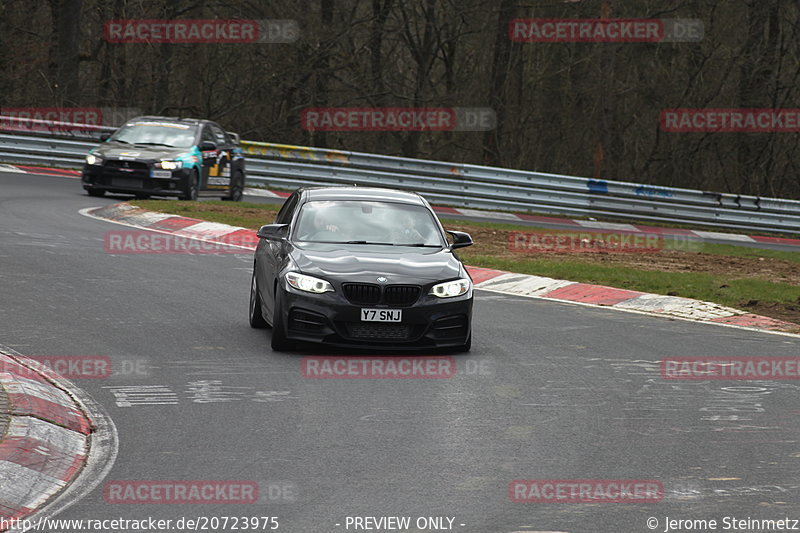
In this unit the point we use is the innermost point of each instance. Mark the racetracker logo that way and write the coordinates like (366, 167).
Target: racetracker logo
(605, 30)
(200, 31)
(181, 492)
(398, 119)
(54, 119)
(584, 242)
(148, 242)
(585, 491)
(730, 120)
(67, 366)
(730, 368)
(416, 367)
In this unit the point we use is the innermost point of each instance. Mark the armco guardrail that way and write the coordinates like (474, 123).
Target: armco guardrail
(457, 184)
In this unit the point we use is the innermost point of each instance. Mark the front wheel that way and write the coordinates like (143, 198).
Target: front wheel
(95, 192)
(279, 341)
(190, 192)
(256, 314)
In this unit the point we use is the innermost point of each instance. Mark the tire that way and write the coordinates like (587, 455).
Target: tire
(237, 188)
(256, 314)
(97, 193)
(278, 342)
(142, 196)
(190, 193)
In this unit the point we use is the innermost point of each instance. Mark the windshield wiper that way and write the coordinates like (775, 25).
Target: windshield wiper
(155, 144)
(120, 141)
(421, 245)
(368, 242)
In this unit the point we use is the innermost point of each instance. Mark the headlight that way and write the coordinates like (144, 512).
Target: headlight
(449, 289)
(170, 165)
(308, 283)
(92, 159)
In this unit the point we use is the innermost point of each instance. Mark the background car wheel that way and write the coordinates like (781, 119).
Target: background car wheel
(279, 341)
(237, 188)
(190, 193)
(256, 314)
(95, 192)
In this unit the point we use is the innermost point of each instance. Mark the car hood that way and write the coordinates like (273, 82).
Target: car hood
(131, 151)
(365, 263)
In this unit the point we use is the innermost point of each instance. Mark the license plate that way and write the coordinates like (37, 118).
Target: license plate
(381, 315)
(130, 183)
(161, 174)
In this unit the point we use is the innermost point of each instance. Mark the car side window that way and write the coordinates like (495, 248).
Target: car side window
(285, 214)
(219, 136)
(207, 135)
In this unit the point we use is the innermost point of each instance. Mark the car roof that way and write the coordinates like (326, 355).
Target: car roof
(361, 193)
(193, 121)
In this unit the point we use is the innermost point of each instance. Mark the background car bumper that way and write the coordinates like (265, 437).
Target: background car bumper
(135, 181)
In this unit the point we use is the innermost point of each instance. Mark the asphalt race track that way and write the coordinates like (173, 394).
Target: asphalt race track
(549, 391)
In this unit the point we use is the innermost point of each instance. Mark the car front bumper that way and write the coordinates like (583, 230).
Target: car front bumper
(136, 180)
(330, 319)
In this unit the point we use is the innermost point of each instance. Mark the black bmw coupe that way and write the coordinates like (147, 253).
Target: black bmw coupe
(361, 267)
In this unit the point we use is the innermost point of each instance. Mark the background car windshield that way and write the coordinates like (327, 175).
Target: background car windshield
(173, 135)
(370, 222)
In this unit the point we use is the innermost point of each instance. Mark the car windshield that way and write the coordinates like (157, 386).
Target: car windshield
(367, 222)
(157, 134)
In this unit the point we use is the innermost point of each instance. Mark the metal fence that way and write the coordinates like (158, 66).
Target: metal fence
(456, 184)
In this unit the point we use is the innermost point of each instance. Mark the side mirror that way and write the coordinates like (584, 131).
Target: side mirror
(460, 239)
(207, 146)
(104, 137)
(234, 137)
(273, 232)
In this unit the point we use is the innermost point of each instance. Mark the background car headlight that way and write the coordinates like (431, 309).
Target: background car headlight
(92, 159)
(170, 165)
(449, 289)
(308, 283)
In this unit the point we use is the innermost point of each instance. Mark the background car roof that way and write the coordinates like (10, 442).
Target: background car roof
(169, 119)
(361, 193)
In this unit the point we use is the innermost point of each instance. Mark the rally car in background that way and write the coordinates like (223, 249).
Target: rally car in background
(164, 156)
